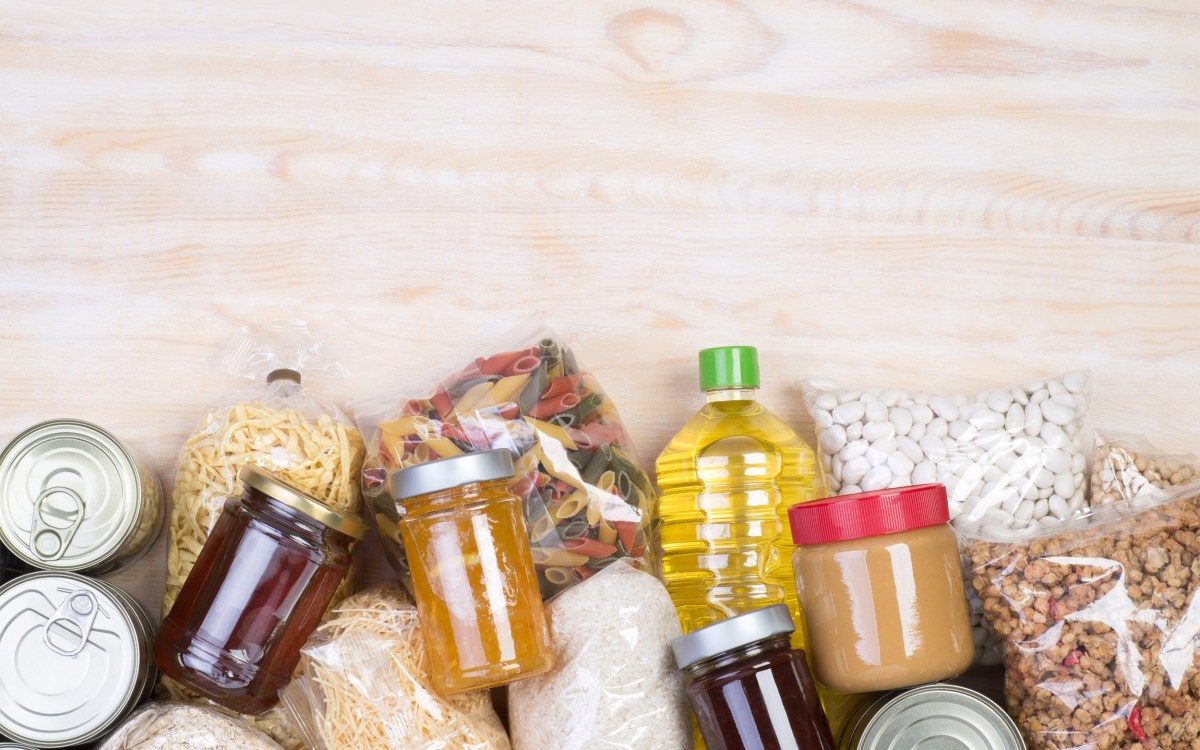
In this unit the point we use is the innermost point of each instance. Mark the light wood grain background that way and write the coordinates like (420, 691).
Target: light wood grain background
(933, 194)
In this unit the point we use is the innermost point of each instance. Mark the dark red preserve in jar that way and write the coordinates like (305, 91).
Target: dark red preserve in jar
(258, 589)
(749, 688)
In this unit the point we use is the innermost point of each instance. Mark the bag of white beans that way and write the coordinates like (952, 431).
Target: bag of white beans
(1009, 457)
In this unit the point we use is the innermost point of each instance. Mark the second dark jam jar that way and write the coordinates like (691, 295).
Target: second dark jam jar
(747, 686)
(259, 587)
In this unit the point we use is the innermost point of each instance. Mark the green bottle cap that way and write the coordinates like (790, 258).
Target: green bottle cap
(728, 367)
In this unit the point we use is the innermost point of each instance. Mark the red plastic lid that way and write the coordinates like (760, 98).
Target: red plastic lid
(837, 519)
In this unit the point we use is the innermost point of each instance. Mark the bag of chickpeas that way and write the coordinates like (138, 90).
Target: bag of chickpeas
(278, 424)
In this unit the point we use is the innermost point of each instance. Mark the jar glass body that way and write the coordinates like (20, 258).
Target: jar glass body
(885, 612)
(758, 696)
(475, 586)
(258, 589)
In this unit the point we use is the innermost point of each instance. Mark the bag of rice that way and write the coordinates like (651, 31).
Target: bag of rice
(614, 685)
(364, 684)
(278, 424)
(173, 726)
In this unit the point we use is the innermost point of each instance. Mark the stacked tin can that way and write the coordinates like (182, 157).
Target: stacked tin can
(74, 651)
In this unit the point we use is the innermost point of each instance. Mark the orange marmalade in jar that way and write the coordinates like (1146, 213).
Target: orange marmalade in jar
(472, 572)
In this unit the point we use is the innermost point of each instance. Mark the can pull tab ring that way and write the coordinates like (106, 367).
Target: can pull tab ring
(79, 609)
(50, 541)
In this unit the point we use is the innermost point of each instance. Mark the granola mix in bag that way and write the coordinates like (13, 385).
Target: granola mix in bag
(1098, 620)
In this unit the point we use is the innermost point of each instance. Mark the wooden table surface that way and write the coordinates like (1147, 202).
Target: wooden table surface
(927, 194)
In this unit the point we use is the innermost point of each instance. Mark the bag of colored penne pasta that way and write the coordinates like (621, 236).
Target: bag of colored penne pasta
(587, 501)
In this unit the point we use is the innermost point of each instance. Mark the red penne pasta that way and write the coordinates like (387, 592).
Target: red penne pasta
(442, 403)
(591, 547)
(523, 365)
(584, 572)
(627, 533)
(523, 486)
(548, 407)
(560, 386)
(412, 406)
(498, 364)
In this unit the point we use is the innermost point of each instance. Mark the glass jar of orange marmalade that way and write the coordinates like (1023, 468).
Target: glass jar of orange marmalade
(259, 587)
(472, 572)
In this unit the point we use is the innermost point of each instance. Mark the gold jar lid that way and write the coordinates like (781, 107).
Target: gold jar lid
(297, 499)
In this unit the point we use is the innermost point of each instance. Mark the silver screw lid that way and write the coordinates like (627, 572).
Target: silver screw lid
(455, 471)
(733, 633)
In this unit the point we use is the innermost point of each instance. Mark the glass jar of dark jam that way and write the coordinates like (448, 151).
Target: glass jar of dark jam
(748, 688)
(259, 587)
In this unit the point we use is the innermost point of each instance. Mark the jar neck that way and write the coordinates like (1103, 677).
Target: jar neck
(466, 494)
(731, 394)
(284, 515)
(775, 644)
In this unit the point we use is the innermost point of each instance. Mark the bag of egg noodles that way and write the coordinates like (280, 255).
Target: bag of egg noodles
(279, 424)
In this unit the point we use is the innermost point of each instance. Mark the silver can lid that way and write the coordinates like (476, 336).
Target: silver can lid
(726, 635)
(938, 716)
(73, 660)
(455, 471)
(70, 495)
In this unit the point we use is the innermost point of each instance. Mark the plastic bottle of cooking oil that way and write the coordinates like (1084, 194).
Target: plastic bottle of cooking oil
(726, 480)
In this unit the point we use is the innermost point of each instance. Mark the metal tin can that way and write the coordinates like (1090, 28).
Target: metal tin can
(73, 498)
(13, 746)
(936, 714)
(75, 655)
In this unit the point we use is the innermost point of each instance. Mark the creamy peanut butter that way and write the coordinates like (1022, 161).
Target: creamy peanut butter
(887, 610)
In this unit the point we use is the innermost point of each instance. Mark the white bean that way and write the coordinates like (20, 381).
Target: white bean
(901, 420)
(1033, 419)
(876, 412)
(1064, 485)
(924, 473)
(877, 478)
(855, 469)
(853, 449)
(938, 428)
(878, 430)
(833, 439)
(826, 401)
(849, 412)
(999, 401)
(1076, 381)
(1059, 507)
(944, 408)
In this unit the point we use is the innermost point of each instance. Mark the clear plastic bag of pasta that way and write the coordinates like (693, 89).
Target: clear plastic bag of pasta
(587, 501)
(364, 684)
(277, 423)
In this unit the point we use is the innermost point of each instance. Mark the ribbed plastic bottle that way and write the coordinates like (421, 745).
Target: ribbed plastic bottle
(726, 481)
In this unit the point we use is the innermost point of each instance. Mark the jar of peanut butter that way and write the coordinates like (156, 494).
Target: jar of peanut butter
(881, 587)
